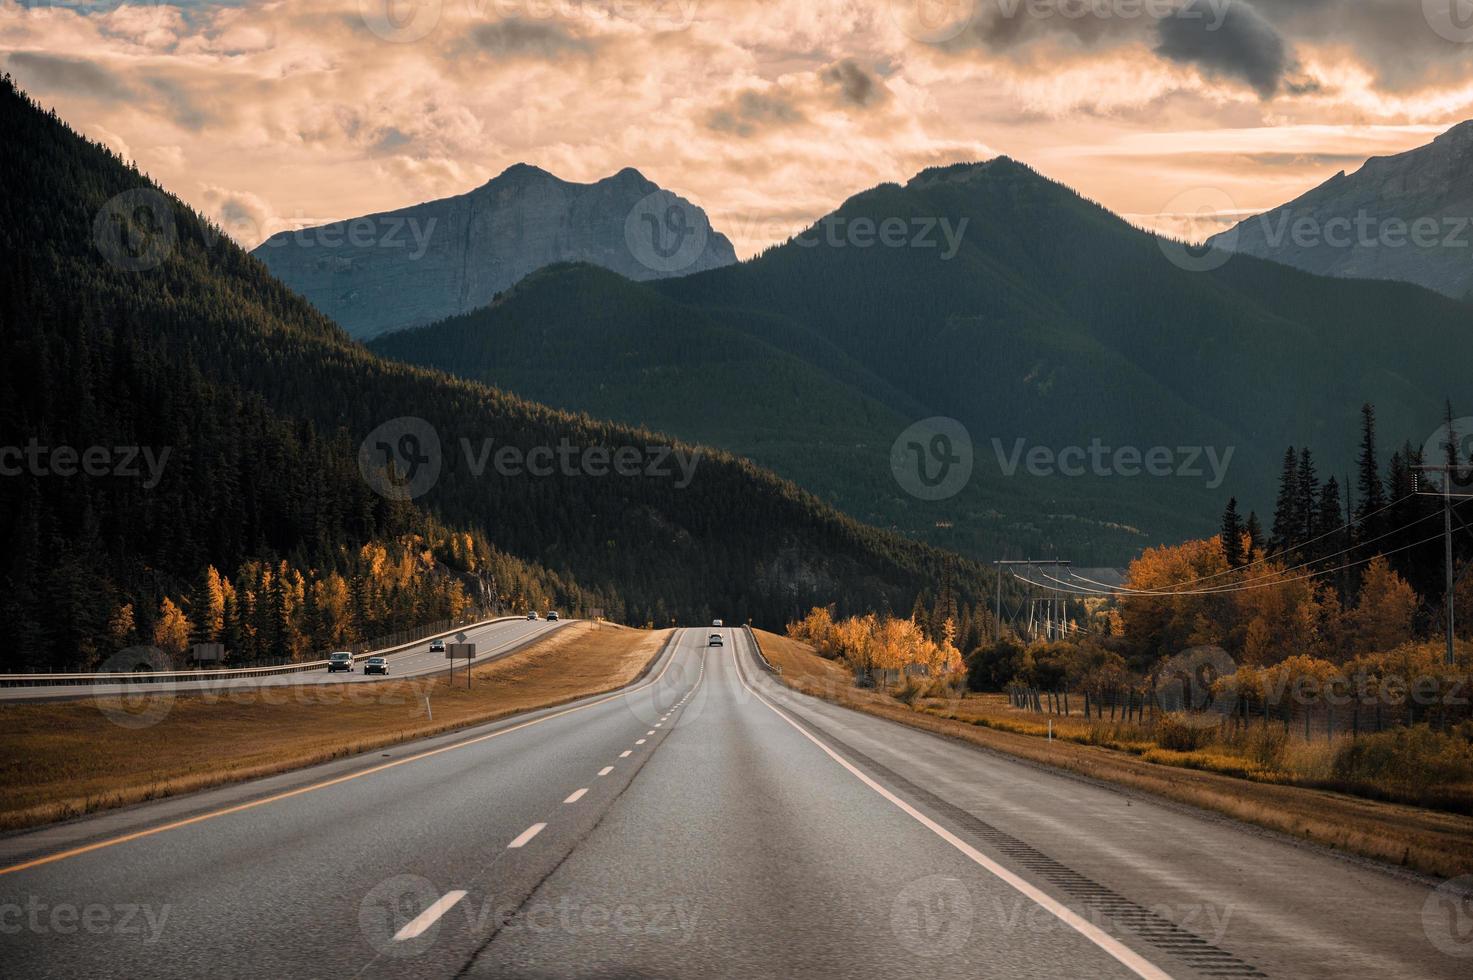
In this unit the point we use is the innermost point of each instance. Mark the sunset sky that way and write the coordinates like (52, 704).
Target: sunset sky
(768, 113)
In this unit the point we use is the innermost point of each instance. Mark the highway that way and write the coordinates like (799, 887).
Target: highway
(706, 822)
(493, 640)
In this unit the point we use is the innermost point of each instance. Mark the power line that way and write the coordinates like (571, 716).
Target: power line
(1235, 586)
(1244, 587)
(1287, 551)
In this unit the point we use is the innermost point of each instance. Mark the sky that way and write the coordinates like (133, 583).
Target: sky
(1182, 115)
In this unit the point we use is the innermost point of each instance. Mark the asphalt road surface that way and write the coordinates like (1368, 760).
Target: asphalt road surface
(705, 823)
(493, 640)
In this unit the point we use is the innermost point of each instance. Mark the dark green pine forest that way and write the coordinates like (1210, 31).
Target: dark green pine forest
(262, 404)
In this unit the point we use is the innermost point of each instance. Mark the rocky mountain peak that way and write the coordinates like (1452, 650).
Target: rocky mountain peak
(442, 258)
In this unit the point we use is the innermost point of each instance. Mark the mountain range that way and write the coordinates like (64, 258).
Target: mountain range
(437, 259)
(1407, 217)
(134, 330)
(1068, 344)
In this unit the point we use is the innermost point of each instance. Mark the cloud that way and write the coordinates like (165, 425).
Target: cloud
(54, 74)
(1243, 45)
(768, 113)
(856, 86)
(752, 112)
(516, 37)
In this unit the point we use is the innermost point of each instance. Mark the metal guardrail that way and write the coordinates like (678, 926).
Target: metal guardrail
(222, 673)
(767, 665)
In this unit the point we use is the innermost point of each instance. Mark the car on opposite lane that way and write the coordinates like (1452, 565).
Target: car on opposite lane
(552, 615)
(437, 646)
(531, 615)
(341, 660)
(376, 665)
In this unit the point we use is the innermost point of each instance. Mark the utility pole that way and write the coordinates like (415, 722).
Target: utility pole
(1447, 549)
(1447, 554)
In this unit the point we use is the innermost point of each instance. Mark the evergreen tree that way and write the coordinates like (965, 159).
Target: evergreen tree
(1254, 530)
(1308, 487)
(1286, 518)
(1232, 535)
(1371, 522)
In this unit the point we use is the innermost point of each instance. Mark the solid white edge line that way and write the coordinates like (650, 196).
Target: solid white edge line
(1127, 957)
(576, 795)
(526, 835)
(428, 917)
(606, 770)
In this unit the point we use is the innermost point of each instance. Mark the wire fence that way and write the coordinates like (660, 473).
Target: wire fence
(1358, 714)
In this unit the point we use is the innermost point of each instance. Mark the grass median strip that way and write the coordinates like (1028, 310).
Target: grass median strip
(1424, 840)
(61, 760)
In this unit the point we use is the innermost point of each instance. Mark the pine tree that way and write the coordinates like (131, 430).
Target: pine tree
(1372, 491)
(1308, 500)
(1254, 529)
(1286, 519)
(1232, 535)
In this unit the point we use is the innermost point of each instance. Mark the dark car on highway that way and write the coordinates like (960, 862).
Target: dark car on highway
(376, 665)
(339, 661)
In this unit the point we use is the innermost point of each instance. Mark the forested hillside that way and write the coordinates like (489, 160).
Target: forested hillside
(253, 408)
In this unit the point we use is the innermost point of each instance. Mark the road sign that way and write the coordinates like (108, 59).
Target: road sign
(460, 638)
(460, 651)
(209, 652)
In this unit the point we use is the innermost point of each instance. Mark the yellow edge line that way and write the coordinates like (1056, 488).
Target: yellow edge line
(200, 818)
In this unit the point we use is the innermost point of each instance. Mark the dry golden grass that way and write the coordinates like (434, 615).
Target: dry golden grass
(1424, 840)
(64, 759)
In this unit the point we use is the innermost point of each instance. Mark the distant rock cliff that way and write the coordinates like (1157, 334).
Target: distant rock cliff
(1406, 217)
(423, 263)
